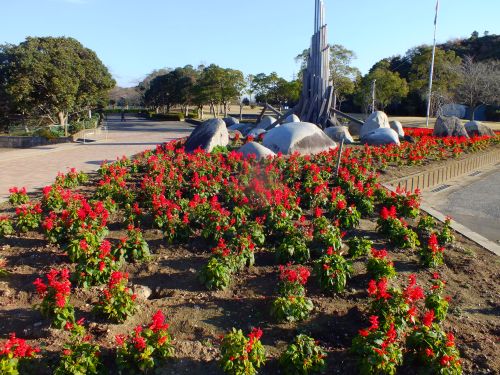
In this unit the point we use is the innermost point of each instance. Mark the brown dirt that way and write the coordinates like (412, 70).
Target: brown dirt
(199, 317)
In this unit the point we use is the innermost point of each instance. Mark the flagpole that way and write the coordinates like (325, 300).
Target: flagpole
(432, 67)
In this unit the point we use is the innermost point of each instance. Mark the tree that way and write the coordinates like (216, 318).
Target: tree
(390, 87)
(445, 78)
(342, 74)
(53, 77)
(479, 83)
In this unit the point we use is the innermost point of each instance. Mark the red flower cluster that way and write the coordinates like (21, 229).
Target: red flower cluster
(298, 274)
(17, 348)
(378, 289)
(388, 213)
(379, 254)
(58, 285)
(253, 336)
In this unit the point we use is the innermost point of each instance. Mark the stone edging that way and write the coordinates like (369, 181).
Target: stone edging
(436, 176)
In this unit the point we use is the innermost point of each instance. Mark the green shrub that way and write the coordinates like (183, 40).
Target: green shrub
(302, 357)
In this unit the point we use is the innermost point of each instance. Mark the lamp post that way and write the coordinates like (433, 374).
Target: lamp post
(374, 86)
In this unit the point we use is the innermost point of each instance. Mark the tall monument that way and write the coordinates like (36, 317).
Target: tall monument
(316, 98)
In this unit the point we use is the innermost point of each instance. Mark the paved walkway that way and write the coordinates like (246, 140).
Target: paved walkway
(473, 201)
(37, 167)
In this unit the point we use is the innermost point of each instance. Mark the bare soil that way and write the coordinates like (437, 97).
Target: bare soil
(199, 317)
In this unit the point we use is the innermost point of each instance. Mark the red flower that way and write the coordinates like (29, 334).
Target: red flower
(428, 318)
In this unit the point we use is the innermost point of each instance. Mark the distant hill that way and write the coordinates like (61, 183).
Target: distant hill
(480, 48)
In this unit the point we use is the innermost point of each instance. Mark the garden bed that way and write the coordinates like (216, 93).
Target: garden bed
(198, 317)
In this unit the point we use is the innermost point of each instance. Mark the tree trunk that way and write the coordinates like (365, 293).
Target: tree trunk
(62, 121)
(186, 111)
(241, 111)
(225, 109)
(472, 112)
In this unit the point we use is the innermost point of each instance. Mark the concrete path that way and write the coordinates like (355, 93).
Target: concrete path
(37, 167)
(473, 201)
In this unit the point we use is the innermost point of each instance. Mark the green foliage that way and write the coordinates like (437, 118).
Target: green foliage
(145, 348)
(6, 228)
(293, 247)
(379, 266)
(377, 351)
(434, 350)
(333, 270)
(53, 75)
(426, 224)
(291, 308)
(359, 247)
(133, 247)
(216, 274)
(241, 355)
(390, 87)
(302, 357)
(117, 302)
(79, 357)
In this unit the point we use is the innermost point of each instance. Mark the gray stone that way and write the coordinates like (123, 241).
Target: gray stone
(292, 118)
(254, 148)
(241, 127)
(354, 128)
(382, 136)
(409, 139)
(255, 132)
(143, 292)
(449, 127)
(231, 121)
(265, 122)
(302, 137)
(208, 135)
(337, 133)
(398, 128)
(474, 128)
(377, 120)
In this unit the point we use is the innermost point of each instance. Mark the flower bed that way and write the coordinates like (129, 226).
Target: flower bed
(278, 247)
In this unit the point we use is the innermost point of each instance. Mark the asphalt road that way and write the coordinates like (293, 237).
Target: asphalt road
(475, 204)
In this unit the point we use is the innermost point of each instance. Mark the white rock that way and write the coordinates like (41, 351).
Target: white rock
(292, 118)
(265, 122)
(375, 121)
(382, 136)
(208, 135)
(398, 128)
(302, 137)
(337, 133)
(254, 148)
(476, 128)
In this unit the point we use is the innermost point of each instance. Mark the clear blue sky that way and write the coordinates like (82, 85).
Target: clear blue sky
(133, 37)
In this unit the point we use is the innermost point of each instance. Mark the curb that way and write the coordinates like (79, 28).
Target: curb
(439, 175)
(463, 230)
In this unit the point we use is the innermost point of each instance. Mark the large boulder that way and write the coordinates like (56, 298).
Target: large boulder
(337, 133)
(254, 148)
(449, 127)
(265, 122)
(376, 120)
(302, 137)
(231, 121)
(474, 128)
(292, 118)
(208, 135)
(382, 136)
(398, 128)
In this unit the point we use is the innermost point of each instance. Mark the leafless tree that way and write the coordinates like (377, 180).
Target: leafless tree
(479, 84)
